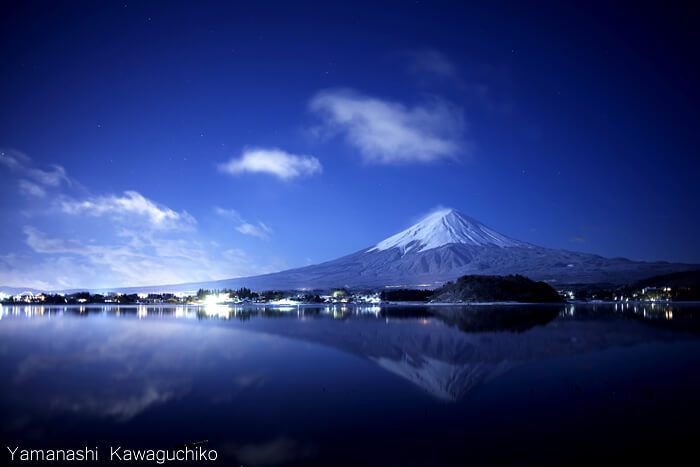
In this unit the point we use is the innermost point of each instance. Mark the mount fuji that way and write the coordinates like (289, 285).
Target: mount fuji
(442, 247)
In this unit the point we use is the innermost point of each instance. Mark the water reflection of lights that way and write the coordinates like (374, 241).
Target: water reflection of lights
(369, 309)
(219, 311)
(658, 310)
(647, 311)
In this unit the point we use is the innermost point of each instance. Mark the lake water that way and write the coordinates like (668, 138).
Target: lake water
(355, 385)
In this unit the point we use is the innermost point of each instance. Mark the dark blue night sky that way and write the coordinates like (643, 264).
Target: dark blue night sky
(161, 142)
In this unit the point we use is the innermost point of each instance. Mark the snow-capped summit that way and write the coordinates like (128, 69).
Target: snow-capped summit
(442, 228)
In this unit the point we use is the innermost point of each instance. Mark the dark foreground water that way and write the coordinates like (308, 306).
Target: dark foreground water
(355, 386)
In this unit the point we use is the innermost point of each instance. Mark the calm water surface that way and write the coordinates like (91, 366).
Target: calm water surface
(356, 385)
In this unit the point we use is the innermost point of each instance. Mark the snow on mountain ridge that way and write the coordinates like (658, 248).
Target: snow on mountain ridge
(444, 227)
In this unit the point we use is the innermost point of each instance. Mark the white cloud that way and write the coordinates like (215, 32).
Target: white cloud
(134, 204)
(274, 162)
(388, 132)
(30, 189)
(260, 230)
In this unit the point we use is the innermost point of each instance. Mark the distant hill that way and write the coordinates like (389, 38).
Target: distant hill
(514, 288)
(677, 279)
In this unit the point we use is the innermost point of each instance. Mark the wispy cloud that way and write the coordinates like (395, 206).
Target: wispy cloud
(260, 230)
(229, 213)
(145, 258)
(487, 86)
(433, 62)
(235, 254)
(31, 189)
(272, 161)
(43, 243)
(577, 239)
(131, 203)
(17, 161)
(53, 177)
(387, 132)
(12, 158)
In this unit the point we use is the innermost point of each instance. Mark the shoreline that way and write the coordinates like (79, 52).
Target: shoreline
(334, 305)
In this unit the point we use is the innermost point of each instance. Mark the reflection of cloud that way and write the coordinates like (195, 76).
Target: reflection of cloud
(276, 451)
(389, 132)
(121, 407)
(239, 383)
(141, 364)
(247, 380)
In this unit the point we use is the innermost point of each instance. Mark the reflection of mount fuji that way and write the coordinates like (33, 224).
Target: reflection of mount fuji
(448, 362)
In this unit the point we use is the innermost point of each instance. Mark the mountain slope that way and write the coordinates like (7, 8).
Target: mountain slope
(442, 247)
